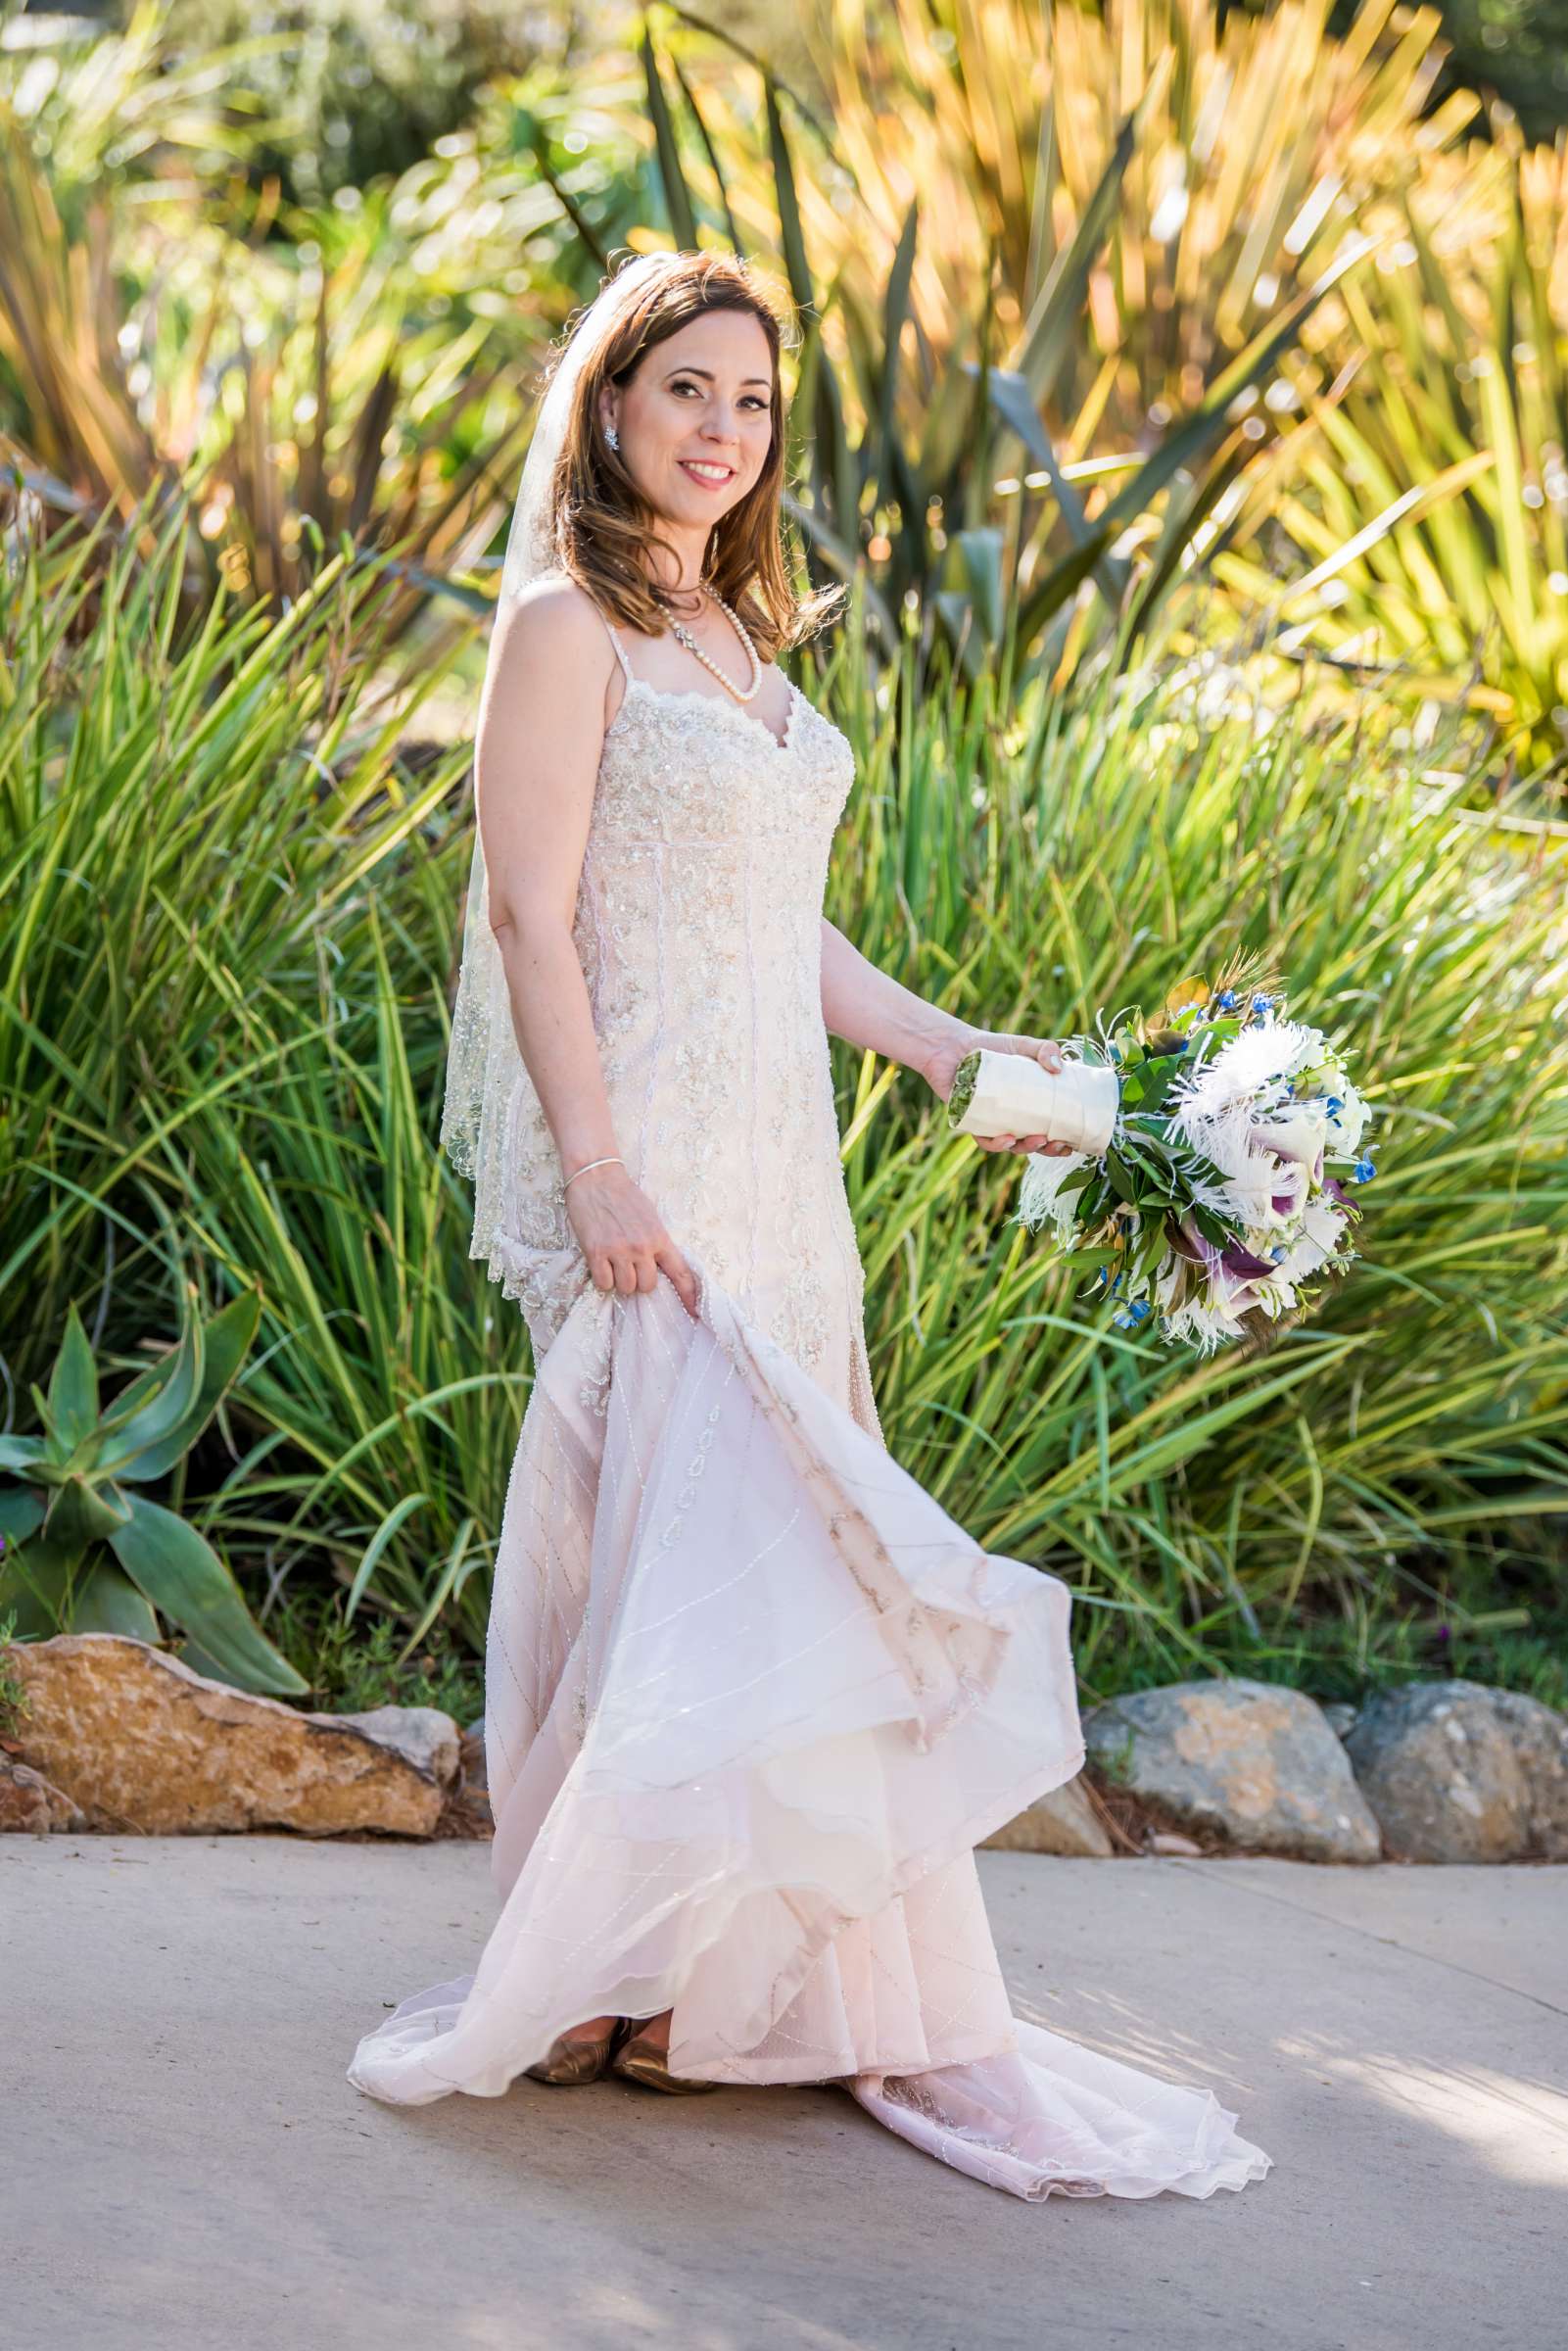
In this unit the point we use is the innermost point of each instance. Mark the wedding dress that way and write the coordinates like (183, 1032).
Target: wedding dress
(751, 1696)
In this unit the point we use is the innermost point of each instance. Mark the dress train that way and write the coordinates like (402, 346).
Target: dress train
(743, 1738)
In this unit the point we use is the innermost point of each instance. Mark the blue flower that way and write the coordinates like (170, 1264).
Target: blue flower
(1262, 1003)
(1139, 1308)
(1226, 1000)
(1363, 1169)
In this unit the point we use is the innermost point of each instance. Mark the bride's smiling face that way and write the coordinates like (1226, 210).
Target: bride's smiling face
(695, 419)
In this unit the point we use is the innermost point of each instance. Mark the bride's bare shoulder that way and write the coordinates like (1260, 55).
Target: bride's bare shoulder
(555, 607)
(556, 620)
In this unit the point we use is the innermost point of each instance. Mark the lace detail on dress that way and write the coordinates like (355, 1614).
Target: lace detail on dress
(697, 927)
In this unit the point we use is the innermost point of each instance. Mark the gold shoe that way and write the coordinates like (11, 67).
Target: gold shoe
(640, 2060)
(573, 2060)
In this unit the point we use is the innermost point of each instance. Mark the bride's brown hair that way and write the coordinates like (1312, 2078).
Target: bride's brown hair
(601, 522)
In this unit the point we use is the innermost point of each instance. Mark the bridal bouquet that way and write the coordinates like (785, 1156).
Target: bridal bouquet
(1199, 1183)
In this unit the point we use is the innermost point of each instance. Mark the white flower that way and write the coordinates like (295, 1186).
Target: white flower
(1321, 1228)
(1345, 1130)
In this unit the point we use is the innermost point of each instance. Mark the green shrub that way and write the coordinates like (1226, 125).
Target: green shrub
(1416, 1428)
(240, 905)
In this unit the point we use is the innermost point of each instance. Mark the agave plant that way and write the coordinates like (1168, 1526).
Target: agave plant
(87, 1550)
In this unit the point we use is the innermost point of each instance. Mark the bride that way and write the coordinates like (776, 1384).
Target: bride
(753, 1698)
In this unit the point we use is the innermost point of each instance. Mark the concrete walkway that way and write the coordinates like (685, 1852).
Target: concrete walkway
(187, 2166)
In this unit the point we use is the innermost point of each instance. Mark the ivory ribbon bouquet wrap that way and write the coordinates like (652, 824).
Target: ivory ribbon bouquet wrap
(1199, 1183)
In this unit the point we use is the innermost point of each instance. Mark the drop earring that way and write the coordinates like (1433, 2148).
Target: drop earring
(611, 437)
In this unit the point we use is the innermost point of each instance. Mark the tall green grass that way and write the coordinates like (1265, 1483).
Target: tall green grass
(1410, 1439)
(228, 925)
(231, 909)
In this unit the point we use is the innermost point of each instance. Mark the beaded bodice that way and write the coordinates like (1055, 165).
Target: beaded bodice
(697, 927)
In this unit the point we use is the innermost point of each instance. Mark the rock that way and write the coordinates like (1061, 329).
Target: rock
(423, 1736)
(1166, 1841)
(139, 1741)
(472, 1756)
(1459, 1771)
(29, 1801)
(467, 1810)
(1250, 1764)
(1341, 1718)
(1061, 1821)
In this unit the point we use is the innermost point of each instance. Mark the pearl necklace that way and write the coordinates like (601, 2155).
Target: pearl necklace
(679, 629)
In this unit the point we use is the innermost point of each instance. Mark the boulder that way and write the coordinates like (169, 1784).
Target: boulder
(1459, 1771)
(1066, 1820)
(467, 1810)
(472, 1756)
(138, 1741)
(29, 1801)
(1237, 1764)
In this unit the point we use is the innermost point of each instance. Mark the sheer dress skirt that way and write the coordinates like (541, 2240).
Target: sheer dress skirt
(752, 1700)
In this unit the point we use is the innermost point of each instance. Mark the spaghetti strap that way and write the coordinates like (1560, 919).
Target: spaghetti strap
(620, 650)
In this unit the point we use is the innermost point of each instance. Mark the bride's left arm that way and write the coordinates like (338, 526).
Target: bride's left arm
(867, 1008)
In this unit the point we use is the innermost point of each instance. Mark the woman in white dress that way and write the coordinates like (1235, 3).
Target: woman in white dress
(753, 1698)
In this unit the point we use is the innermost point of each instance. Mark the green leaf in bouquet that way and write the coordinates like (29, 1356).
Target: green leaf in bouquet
(1158, 1082)
(1097, 1201)
(1119, 1176)
(1215, 1231)
(1198, 1168)
(1154, 1246)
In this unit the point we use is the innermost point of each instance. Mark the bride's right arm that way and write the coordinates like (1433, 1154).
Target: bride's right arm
(536, 751)
(536, 760)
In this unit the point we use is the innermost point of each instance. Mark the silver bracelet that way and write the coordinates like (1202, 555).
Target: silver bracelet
(611, 1159)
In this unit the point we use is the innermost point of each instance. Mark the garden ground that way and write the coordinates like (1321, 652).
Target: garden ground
(187, 2158)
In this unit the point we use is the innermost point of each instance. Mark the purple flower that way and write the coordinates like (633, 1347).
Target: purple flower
(1237, 1260)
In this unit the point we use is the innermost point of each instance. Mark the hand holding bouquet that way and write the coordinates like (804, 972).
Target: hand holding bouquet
(1198, 1180)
